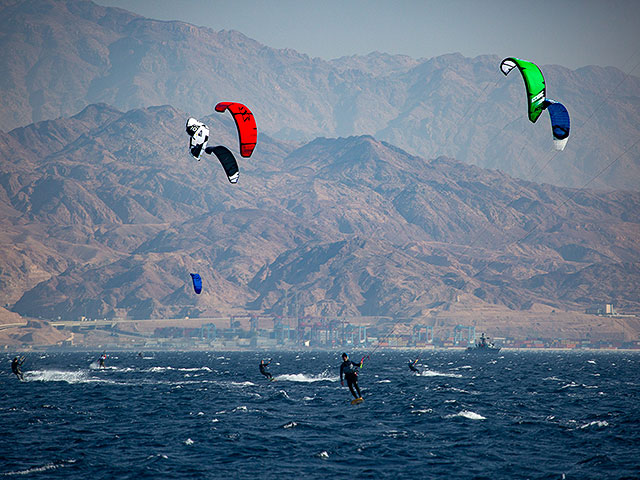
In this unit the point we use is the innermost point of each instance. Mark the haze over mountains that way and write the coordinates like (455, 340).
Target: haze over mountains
(103, 219)
(459, 107)
(104, 214)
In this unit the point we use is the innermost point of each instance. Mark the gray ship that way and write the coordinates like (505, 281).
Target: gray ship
(483, 346)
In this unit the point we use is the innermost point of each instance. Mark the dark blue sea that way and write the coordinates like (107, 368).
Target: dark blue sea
(193, 415)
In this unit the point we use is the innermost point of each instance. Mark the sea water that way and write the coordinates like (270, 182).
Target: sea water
(193, 415)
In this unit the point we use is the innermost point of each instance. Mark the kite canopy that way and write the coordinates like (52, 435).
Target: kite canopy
(228, 162)
(199, 135)
(560, 123)
(197, 282)
(534, 83)
(246, 124)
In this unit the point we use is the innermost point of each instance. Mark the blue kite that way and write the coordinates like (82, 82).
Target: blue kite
(197, 283)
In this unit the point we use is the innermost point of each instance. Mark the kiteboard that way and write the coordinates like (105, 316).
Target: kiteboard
(357, 401)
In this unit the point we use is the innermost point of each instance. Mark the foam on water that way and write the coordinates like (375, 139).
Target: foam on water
(396, 434)
(96, 366)
(283, 394)
(578, 385)
(194, 369)
(43, 468)
(460, 390)
(157, 455)
(158, 369)
(421, 411)
(243, 384)
(76, 376)
(165, 369)
(433, 373)
(125, 369)
(595, 423)
(468, 414)
(304, 378)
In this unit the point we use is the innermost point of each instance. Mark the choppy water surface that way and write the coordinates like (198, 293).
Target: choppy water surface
(212, 415)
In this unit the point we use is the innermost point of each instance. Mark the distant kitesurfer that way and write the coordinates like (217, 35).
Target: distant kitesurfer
(15, 367)
(263, 370)
(348, 371)
(101, 360)
(412, 366)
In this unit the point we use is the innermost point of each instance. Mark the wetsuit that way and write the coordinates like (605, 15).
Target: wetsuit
(103, 357)
(15, 367)
(263, 371)
(412, 366)
(348, 371)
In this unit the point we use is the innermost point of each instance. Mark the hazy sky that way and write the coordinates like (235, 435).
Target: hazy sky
(572, 33)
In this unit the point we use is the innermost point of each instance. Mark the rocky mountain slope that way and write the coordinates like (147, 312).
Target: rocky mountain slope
(104, 214)
(58, 56)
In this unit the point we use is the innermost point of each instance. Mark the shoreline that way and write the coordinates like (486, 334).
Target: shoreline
(88, 348)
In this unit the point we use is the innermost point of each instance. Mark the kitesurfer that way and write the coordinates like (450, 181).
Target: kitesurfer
(101, 360)
(263, 370)
(348, 371)
(412, 366)
(15, 367)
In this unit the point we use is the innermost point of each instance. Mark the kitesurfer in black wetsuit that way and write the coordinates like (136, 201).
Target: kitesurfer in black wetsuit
(15, 367)
(101, 360)
(348, 371)
(263, 371)
(412, 366)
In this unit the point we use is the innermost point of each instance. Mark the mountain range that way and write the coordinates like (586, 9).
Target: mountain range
(381, 185)
(449, 106)
(105, 214)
